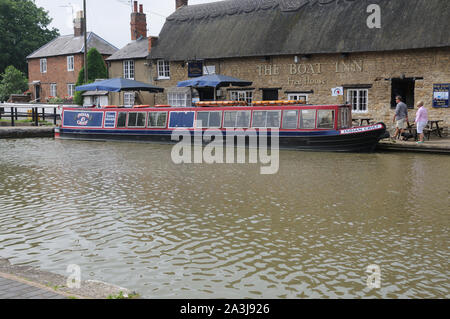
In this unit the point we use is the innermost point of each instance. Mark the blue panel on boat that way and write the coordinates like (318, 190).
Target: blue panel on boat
(83, 119)
(181, 119)
(110, 119)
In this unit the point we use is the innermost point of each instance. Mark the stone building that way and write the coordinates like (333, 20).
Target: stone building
(303, 49)
(131, 62)
(53, 69)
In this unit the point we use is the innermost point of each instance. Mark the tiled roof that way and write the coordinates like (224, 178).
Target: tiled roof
(68, 44)
(134, 50)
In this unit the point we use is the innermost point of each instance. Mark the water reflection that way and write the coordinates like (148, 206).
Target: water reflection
(127, 215)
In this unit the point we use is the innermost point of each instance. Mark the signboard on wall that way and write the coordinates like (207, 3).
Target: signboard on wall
(337, 91)
(195, 69)
(441, 94)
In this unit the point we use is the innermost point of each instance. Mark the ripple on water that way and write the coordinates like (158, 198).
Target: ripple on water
(127, 215)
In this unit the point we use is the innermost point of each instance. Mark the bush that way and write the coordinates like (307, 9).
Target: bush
(12, 81)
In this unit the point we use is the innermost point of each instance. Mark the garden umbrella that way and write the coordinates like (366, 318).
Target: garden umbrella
(118, 85)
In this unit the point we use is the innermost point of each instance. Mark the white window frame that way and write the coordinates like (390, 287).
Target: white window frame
(70, 63)
(70, 89)
(358, 105)
(242, 95)
(298, 97)
(53, 90)
(129, 97)
(128, 69)
(163, 69)
(43, 65)
(179, 99)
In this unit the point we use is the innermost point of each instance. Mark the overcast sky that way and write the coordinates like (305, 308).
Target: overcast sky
(110, 19)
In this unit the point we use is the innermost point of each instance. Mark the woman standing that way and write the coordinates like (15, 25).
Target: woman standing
(421, 120)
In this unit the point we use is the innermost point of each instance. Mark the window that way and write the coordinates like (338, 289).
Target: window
(209, 69)
(345, 117)
(122, 119)
(43, 64)
(270, 119)
(70, 63)
(53, 92)
(157, 119)
(163, 69)
(325, 119)
(70, 89)
(128, 69)
(308, 119)
(136, 119)
(298, 97)
(237, 119)
(209, 119)
(246, 96)
(358, 100)
(290, 119)
(128, 99)
(179, 99)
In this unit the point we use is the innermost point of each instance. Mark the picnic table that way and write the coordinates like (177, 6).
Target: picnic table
(432, 127)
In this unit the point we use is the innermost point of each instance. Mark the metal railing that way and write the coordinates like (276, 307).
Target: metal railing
(14, 111)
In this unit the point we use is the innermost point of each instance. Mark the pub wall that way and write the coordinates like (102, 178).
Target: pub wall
(322, 72)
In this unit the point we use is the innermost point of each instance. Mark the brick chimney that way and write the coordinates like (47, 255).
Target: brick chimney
(138, 22)
(78, 25)
(180, 3)
(151, 43)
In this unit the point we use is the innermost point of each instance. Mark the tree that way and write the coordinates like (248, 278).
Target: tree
(96, 70)
(12, 81)
(24, 29)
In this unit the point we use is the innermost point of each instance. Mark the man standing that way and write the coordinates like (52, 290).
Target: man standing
(400, 117)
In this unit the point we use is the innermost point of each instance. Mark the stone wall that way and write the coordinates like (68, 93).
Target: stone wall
(320, 73)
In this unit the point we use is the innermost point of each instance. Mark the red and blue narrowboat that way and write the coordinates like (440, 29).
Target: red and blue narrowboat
(300, 126)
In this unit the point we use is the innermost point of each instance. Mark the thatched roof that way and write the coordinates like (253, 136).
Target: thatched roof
(239, 28)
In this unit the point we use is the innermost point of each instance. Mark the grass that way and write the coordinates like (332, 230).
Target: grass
(26, 121)
(121, 296)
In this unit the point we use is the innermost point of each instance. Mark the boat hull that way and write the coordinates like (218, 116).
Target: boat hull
(363, 139)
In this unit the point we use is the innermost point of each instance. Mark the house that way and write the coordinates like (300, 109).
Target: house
(303, 49)
(53, 69)
(131, 62)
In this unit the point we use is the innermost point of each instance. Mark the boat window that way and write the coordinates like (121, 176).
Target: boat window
(229, 119)
(157, 119)
(215, 119)
(122, 119)
(141, 119)
(243, 119)
(209, 119)
(259, 118)
(290, 119)
(325, 119)
(270, 119)
(308, 119)
(273, 119)
(132, 119)
(202, 117)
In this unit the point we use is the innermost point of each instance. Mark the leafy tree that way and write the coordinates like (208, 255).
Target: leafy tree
(12, 81)
(24, 28)
(96, 70)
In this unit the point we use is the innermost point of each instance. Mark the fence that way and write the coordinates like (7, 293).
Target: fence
(14, 111)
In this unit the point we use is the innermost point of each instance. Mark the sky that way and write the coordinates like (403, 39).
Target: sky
(110, 19)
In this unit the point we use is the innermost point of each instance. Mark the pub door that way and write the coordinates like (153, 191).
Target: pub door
(404, 88)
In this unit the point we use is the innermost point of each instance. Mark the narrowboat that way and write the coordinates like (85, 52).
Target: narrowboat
(299, 126)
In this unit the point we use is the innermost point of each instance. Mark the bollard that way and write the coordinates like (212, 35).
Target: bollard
(36, 119)
(12, 116)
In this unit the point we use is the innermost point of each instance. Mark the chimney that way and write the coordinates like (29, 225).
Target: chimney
(151, 43)
(78, 25)
(138, 22)
(180, 3)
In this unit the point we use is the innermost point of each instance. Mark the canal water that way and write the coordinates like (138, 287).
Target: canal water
(129, 216)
